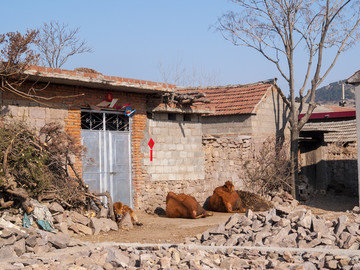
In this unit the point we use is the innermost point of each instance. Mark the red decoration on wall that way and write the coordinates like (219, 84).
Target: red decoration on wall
(151, 145)
(109, 97)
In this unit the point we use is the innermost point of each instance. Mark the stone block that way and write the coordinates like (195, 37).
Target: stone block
(84, 229)
(7, 252)
(126, 222)
(79, 218)
(37, 112)
(56, 208)
(103, 212)
(117, 257)
(19, 247)
(59, 240)
(341, 224)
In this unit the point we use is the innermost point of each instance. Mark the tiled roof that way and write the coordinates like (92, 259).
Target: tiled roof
(233, 99)
(334, 131)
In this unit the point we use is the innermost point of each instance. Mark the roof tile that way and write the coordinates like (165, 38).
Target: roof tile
(233, 99)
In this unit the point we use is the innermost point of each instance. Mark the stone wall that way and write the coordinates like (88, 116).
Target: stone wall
(34, 115)
(341, 162)
(224, 157)
(330, 166)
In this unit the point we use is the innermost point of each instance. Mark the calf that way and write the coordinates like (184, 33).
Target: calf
(226, 199)
(121, 209)
(184, 206)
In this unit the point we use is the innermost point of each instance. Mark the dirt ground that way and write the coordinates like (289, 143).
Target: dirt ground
(160, 229)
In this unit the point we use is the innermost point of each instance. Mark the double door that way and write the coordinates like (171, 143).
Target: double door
(107, 158)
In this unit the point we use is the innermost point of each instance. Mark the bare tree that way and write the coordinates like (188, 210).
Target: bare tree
(16, 55)
(282, 29)
(57, 42)
(177, 73)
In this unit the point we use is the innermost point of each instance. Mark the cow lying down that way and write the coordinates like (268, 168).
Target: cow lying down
(184, 206)
(226, 199)
(120, 211)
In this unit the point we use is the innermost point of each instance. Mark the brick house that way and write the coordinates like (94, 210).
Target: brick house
(113, 140)
(196, 146)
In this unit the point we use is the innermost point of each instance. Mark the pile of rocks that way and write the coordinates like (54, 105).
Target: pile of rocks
(283, 238)
(71, 222)
(298, 228)
(179, 257)
(16, 241)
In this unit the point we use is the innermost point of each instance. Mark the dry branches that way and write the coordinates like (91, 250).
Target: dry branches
(268, 170)
(38, 169)
(185, 98)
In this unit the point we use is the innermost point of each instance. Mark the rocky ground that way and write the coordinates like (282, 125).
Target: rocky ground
(287, 236)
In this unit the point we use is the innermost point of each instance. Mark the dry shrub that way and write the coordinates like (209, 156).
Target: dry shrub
(41, 168)
(268, 170)
(254, 201)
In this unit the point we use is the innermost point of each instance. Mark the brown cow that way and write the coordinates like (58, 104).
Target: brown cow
(226, 199)
(184, 206)
(121, 209)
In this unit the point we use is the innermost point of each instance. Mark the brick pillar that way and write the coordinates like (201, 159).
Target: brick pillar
(138, 127)
(73, 129)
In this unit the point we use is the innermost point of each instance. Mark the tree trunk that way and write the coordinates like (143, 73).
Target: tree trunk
(294, 149)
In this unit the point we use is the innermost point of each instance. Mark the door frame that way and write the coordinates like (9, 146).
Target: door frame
(104, 134)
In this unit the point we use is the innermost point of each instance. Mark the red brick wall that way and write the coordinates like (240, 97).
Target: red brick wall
(86, 97)
(73, 128)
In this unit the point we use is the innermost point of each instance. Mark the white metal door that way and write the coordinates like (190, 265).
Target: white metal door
(106, 162)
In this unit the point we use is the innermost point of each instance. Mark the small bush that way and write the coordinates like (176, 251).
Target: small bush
(268, 170)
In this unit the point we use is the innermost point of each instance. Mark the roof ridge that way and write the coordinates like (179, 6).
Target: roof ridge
(269, 81)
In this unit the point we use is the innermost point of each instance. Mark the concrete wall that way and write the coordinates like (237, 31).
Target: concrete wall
(177, 153)
(178, 160)
(227, 124)
(271, 117)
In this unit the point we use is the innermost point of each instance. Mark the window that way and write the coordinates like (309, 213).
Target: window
(187, 117)
(104, 121)
(172, 116)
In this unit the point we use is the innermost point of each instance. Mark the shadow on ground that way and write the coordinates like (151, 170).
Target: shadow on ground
(333, 202)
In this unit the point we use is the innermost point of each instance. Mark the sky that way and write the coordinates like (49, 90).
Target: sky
(133, 38)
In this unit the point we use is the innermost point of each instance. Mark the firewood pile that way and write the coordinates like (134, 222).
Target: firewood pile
(185, 98)
(40, 166)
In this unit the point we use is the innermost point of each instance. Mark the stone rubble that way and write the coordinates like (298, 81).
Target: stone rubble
(298, 228)
(285, 237)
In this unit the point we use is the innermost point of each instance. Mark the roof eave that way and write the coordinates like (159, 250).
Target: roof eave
(354, 79)
(103, 82)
